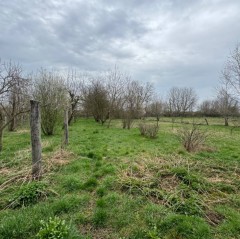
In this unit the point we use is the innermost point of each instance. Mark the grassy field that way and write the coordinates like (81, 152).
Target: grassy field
(115, 183)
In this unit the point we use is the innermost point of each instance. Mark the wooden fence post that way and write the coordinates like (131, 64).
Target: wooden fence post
(35, 125)
(66, 140)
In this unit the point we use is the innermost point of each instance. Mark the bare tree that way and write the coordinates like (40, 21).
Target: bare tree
(74, 85)
(227, 106)
(181, 100)
(209, 108)
(115, 83)
(18, 98)
(51, 92)
(136, 98)
(231, 72)
(10, 78)
(156, 108)
(96, 100)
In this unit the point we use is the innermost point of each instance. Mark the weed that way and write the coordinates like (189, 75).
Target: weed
(28, 194)
(54, 228)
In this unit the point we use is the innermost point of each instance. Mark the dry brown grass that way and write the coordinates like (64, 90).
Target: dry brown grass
(150, 176)
(12, 176)
(59, 158)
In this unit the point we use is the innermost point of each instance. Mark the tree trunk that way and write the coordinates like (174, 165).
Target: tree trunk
(35, 125)
(226, 121)
(206, 121)
(71, 116)
(1, 139)
(66, 141)
(12, 125)
(158, 118)
(2, 119)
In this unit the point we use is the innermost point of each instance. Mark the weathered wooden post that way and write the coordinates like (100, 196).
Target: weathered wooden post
(35, 124)
(66, 141)
(1, 129)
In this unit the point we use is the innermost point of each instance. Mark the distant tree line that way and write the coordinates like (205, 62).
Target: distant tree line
(106, 96)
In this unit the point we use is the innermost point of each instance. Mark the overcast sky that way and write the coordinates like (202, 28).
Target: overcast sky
(167, 42)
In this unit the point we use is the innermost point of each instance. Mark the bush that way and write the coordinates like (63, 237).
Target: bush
(50, 91)
(148, 130)
(192, 138)
(54, 228)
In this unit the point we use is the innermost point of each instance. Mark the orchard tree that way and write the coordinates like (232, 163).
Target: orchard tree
(231, 73)
(137, 96)
(96, 100)
(74, 86)
(12, 89)
(115, 82)
(226, 105)
(181, 101)
(209, 108)
(51, 92)
(156, 108)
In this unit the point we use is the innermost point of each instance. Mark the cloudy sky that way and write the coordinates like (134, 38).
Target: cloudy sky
(167, 42)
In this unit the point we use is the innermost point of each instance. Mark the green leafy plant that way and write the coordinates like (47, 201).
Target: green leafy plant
(28, 194)
(54, 228)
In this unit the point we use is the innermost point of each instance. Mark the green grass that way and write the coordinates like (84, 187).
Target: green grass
(114, 183)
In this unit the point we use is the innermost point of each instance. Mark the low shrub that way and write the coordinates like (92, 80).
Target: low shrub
(148, 130)
(192, 138)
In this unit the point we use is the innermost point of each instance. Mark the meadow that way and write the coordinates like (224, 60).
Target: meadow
(115, 183)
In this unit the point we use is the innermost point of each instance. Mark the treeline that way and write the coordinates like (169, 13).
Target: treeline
(106, 96)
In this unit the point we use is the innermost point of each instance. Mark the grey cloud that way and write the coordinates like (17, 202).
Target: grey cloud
(168, 42)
